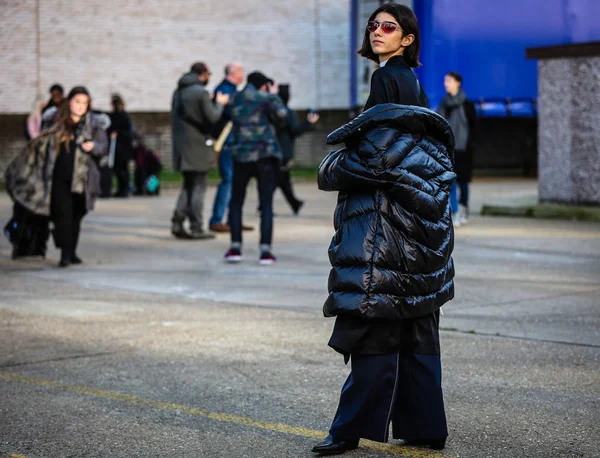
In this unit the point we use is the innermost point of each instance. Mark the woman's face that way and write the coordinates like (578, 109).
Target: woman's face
(386, 45)
(78, 105)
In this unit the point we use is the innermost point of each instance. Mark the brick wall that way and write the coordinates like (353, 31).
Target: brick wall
(141, 47)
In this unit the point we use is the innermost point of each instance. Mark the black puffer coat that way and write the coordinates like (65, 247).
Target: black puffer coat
(391, 253)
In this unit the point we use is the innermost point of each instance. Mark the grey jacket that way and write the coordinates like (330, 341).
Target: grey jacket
(191, 110)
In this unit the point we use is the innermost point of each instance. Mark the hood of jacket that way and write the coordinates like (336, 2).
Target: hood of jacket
(189, 79)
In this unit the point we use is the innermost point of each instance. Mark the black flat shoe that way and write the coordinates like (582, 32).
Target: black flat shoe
(76, 260)
(64, 263)
(330, 446)
(436, 443)
(297, 207)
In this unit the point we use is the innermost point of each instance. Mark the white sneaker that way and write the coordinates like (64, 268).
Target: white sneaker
(463, 214)
(456, 221)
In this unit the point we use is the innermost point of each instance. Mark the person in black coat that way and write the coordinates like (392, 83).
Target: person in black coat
(391, 260)
(462, 116)
(121, 130)
(287, 137)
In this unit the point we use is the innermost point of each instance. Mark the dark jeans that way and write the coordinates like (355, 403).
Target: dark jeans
(464, 195)
(266, 173)
(190, 203)
(285, 183)
(223, 195)
(402, 388)
(67, 209)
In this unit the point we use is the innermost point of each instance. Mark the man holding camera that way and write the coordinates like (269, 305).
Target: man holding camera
(254, 112)
(192, 115)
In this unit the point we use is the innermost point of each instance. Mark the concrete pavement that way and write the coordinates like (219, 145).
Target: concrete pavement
(155, 347)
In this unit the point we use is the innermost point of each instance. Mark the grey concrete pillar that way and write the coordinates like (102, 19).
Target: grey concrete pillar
(569, 123)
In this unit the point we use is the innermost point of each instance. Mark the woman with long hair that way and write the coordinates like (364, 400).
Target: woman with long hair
(391, 254)
(56, 175)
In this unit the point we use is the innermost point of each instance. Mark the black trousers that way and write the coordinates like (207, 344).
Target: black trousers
(67, 209)
(266, 173)
(121, 172)
(285, 183)
(403, 389)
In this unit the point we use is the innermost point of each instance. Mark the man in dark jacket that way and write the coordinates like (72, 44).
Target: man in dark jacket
(193, 114)
(287, 138)
(256, 153)
(57, 97)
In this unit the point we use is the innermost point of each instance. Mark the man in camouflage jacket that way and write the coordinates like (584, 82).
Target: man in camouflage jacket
(253, 146)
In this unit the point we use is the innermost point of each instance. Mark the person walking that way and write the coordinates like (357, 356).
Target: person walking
(57, 176)
(287, 135)
(234, 77)
(254, 112)
(121, 132)
(462, 116)
(193, 115)
(391, 260)
(57, 97)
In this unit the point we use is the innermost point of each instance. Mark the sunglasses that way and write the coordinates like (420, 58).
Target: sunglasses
(387, 27)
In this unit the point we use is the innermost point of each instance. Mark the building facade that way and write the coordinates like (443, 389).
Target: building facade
(140, 48)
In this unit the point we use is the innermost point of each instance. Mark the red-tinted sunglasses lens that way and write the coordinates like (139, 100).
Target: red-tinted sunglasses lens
(372, 26)
(387, 27)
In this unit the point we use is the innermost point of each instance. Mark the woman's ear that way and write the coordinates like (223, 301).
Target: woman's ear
(408, 40)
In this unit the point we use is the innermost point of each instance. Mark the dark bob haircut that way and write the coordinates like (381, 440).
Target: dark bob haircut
(457, 76)
(409, 25)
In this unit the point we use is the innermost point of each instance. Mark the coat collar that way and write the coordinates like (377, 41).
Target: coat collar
(408, 118)
(396, 60)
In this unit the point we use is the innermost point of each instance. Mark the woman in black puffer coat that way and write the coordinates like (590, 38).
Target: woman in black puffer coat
(391, 254)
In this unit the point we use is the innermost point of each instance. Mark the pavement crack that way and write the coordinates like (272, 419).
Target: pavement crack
(64, 358)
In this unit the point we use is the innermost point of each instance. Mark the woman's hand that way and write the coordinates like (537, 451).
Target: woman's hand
(87, 146)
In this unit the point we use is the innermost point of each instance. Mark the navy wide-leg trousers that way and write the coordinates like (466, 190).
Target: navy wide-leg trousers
(403, 389)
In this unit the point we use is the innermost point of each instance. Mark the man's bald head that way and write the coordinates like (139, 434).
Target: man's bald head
(234, 72)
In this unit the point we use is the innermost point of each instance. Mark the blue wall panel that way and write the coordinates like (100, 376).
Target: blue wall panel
(485, 41)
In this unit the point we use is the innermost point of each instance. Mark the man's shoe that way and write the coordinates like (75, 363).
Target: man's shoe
(330, 446)
(267, 258)
(178, 231)
(436, 443)
(233, 255)
(76, 259)
(64, 263)
(245, 227)
(201, 235)
(219, 227)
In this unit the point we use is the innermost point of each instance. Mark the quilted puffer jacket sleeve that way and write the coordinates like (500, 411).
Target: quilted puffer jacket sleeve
(345, 170)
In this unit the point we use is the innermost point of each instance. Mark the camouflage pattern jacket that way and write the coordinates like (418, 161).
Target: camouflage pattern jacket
(255, 115)
(28, 177)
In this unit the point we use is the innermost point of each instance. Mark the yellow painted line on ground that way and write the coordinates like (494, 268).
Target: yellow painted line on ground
(399, 450)
(14, 455)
